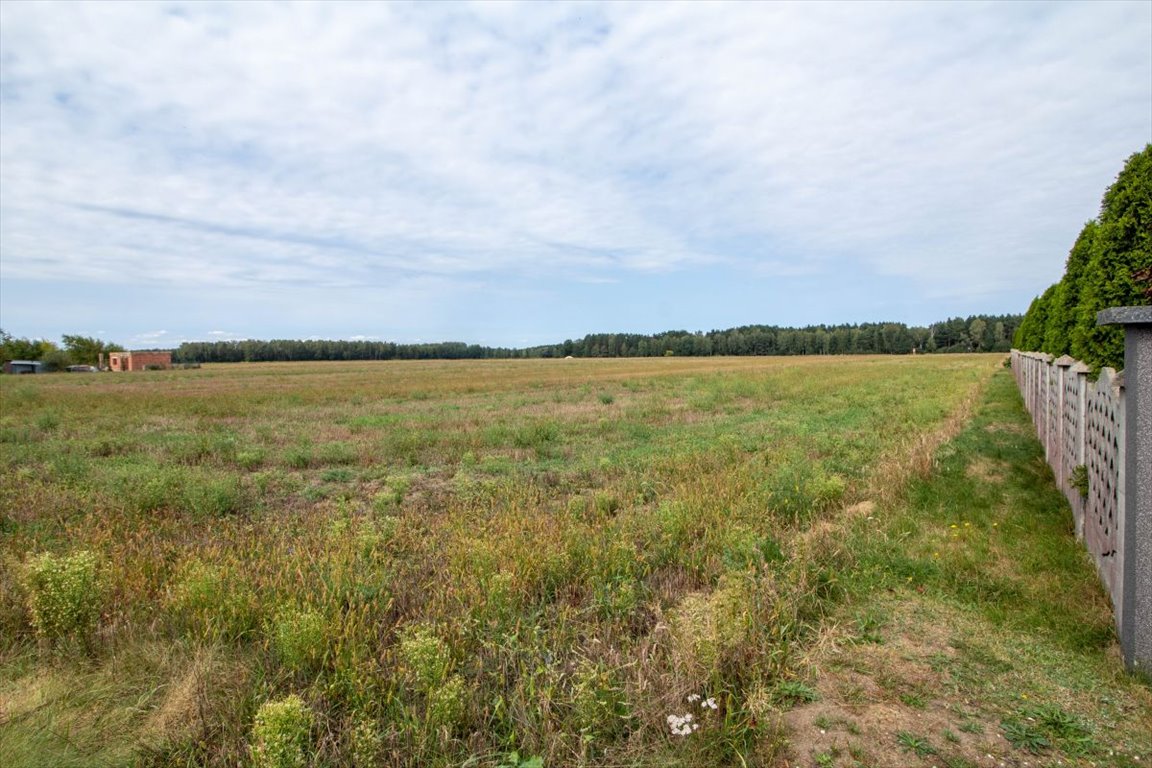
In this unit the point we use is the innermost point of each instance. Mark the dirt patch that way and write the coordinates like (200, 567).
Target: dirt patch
(887, 701)
(863, 509)
(987, 470)
(1014, 429)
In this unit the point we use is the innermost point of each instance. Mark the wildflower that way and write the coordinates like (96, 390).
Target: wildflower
(710, 703)
(693, 698)
(682, 725)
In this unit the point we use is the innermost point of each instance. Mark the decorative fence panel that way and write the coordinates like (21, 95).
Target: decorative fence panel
(1097, 437)
(1080, 424)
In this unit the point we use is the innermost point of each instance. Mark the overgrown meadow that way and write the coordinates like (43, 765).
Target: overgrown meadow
(494, 563)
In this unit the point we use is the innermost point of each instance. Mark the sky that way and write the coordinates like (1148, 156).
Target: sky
(515, 174)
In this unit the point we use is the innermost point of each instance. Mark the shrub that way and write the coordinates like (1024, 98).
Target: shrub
(446, 703)
(425, 657)
(365, 743)
(280, 734)
(64, 593)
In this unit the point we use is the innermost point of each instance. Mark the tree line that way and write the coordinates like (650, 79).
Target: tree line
(1110, 265)
(73, 350)
(977, 333)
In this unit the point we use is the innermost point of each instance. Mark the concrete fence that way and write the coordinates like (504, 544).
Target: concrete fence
(1097, 437)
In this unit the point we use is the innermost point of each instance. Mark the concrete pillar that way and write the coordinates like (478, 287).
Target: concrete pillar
(1136, 621)
(1062, 365)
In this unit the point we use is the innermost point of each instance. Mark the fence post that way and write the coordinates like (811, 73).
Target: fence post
(1062, 365)
(1136, 613)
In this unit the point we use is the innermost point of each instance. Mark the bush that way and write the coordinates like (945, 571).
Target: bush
(280, 734)
(425, 657)
(64, 593)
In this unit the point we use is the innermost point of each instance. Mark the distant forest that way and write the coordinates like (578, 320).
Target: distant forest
(978, 333)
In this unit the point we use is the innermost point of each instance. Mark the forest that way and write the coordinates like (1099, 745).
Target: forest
(978, 333)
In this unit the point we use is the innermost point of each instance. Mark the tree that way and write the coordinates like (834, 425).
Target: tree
(976, 331)
(12, 348)
(1030, 334)
(1061, 323)
(85, 350)
(1121, 250)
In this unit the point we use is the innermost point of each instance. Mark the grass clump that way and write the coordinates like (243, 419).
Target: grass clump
(298, 637)
(213, 603)
(64, 593)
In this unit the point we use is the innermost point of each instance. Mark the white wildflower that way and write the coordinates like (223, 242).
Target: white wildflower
(682, 725)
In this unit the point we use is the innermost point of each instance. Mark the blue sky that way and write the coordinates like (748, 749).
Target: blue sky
(514, 174)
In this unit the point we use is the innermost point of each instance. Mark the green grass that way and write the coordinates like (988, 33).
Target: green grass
(565, 549)
(970, 602)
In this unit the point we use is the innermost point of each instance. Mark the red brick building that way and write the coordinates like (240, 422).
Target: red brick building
(139, 361)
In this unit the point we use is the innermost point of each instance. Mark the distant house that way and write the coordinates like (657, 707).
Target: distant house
(140, 360)
(22, 366)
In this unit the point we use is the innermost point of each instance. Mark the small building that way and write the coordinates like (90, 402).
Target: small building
(140, 360)
(22, 366)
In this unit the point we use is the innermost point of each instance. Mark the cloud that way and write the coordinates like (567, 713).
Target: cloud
(337, 147)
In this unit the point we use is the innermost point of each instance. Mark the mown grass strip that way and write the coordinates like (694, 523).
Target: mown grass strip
(974, 624)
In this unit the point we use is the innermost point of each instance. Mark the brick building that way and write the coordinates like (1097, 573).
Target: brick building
(139, 360)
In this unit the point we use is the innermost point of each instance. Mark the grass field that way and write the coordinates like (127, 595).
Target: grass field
(518, 563)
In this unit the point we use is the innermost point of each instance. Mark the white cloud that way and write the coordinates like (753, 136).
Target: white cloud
(260, 147)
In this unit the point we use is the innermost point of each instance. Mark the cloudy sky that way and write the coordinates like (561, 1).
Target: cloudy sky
(513, 174)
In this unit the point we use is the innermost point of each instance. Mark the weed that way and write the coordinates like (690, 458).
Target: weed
(514, 760)
(213, 603)
(1078, 479)
(298, 637)
(910, 742)
(337, 453)
(300, 456)
(365, 743)
(250, 459)
(64, 593)
(280, 734)
(426, 658)
(868, 626)
(789, 693)
(1025, 736)
(216, 496)
(337, 475)
(914, 700)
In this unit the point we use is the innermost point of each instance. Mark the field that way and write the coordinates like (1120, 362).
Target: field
(550, 562)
